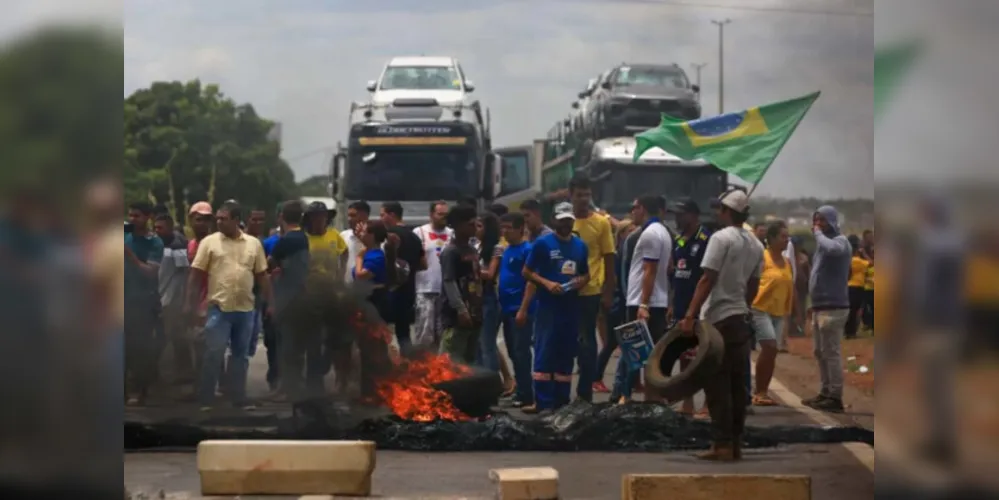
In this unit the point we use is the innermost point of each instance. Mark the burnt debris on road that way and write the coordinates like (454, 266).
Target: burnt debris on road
(639, 427)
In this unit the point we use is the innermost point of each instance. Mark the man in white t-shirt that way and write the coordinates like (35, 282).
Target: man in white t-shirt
(434, 237)
(647, 296)
(732, 263)
(357, 212)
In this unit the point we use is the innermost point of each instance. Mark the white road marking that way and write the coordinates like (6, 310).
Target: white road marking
(863, 452)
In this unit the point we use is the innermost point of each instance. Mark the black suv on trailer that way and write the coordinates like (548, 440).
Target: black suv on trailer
(631, 98)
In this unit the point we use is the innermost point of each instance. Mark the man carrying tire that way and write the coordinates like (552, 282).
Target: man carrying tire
(732, 265)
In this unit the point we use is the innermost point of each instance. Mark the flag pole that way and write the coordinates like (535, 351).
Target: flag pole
(752, 189)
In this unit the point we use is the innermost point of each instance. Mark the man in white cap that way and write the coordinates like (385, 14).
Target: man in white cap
(732, 263)
(557, 268)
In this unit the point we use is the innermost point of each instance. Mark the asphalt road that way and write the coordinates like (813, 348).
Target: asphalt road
(836, 473)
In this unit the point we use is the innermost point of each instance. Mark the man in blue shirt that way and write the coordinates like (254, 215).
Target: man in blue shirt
(556, 269)
(143, 254)
(269, 324)
(517, 316)
(688, 250)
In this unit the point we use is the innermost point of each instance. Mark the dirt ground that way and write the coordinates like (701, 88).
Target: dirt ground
(798, 371)
(858, 358)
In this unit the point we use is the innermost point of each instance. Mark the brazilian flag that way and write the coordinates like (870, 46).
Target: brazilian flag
(743, 143)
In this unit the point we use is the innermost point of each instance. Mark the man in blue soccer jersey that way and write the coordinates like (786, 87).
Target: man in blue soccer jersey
(688, 250)
(556, 269)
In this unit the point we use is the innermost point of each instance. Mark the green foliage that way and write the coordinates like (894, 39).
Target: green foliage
(317, 185)
(58, 128)
(187, 142)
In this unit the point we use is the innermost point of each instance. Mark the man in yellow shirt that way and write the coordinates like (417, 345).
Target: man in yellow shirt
(596, 232)
(231, 262)
(327, 249)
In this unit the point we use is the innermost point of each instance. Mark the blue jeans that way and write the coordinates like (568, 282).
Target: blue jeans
(589, 309)
(221, 329)
(488, 350)
(519, 340)
(258, 326)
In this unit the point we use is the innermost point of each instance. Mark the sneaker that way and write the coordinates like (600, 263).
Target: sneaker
(531, 409)
(812, 400)
(832, 405)
(600, 388)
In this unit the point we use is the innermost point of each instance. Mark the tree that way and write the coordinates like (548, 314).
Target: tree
(58, 127)
(186, 142)
(316, 185)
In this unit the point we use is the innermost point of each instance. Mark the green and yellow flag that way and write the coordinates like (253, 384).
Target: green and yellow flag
(743, 143)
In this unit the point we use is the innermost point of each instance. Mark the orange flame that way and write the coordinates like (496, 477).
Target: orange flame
(409, 391)
(410, 394)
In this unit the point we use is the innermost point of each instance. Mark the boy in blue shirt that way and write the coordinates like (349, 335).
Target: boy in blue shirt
(518, 328)
(556, 269)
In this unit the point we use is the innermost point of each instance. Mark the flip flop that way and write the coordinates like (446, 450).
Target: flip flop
(763, 400)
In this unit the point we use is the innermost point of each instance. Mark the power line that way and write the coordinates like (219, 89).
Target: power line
(758, 8)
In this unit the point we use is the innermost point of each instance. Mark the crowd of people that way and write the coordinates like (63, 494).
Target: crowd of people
(558, 291)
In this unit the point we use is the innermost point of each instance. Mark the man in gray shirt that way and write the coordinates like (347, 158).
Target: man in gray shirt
(827, 287)
(732, 263)
(172, 282)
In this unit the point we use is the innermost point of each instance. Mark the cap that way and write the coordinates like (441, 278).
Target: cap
(736, 200)
(316, 207)
(201, 208)
(685, 206)
(564, 211)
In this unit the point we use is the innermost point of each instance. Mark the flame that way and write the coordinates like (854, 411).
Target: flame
(410, 394)
(409, 390)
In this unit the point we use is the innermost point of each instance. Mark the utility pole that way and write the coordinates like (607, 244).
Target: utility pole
(721, 62)
(697, 72)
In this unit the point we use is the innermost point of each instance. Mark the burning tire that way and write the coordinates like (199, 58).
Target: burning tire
(710, 349)
(476, 394)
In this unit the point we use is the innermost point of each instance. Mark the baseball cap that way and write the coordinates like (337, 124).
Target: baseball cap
(316, 207)
(685, 206)
(201, 208)
(736, 200)
(564, 211)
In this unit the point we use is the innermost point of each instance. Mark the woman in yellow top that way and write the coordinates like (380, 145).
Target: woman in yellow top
(858, 275)
(867, 316)
(772, 304)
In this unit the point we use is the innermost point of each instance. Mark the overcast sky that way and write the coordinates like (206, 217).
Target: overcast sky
(301, 62)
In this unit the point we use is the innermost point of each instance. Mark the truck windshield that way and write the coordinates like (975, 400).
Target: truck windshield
(411, 174)
(617, 191)
(420, 78)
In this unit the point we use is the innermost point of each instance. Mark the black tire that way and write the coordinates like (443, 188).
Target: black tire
(476, 394)
(710, 350)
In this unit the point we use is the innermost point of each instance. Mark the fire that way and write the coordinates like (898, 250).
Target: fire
(410, 394)
(409, 391)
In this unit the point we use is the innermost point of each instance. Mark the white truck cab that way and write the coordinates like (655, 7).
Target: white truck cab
(438, 78)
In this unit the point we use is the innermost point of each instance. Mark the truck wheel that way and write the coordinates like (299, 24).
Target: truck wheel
(710, 350)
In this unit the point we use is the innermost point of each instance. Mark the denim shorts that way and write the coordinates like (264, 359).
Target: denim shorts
(765, 326)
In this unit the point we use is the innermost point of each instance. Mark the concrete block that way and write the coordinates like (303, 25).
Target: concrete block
(529, 483)
(715, 487)
(286, 467)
